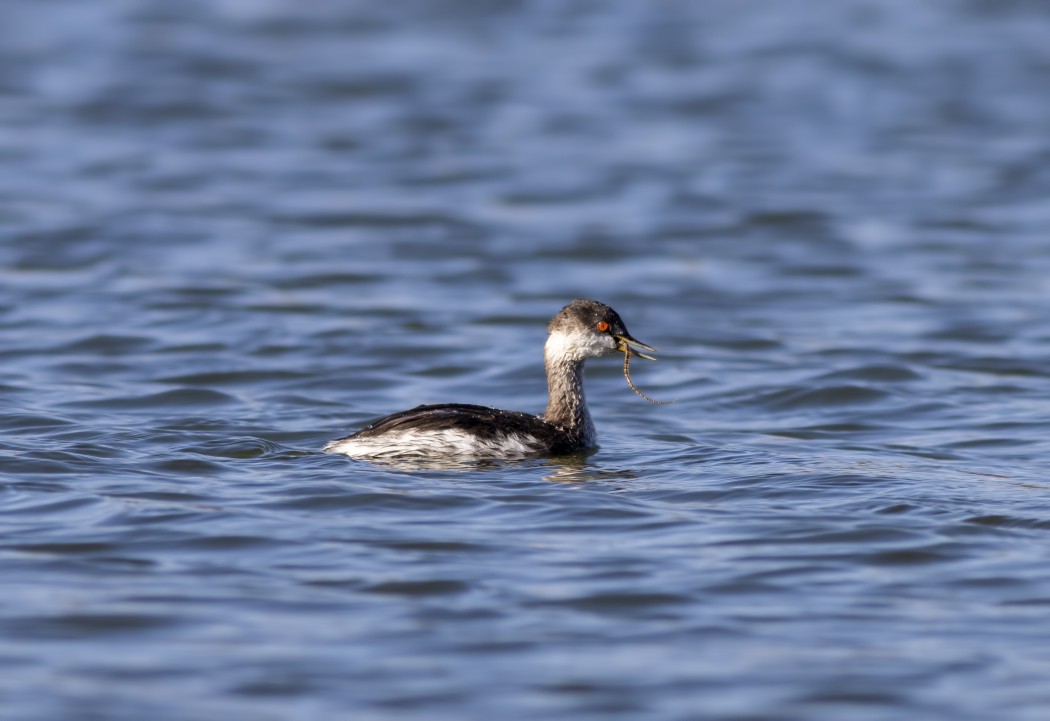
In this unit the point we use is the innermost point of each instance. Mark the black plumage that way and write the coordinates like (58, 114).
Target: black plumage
(484, 423)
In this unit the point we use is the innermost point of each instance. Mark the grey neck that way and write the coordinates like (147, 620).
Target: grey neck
(566, 405)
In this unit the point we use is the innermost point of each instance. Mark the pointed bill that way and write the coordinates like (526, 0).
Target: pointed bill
(630, 345)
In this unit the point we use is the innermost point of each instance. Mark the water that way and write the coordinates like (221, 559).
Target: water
(233, 231)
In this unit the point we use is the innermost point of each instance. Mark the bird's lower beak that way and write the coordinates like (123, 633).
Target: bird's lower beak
(627, 344)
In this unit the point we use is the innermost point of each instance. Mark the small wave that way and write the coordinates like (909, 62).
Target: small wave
(178, 398)
(796, 397)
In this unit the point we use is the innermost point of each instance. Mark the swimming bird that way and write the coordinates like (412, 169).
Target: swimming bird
(581, 330)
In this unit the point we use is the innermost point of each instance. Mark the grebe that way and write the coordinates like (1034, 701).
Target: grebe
(583, 329)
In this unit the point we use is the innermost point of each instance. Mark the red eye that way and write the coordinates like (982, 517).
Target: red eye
(602, 326)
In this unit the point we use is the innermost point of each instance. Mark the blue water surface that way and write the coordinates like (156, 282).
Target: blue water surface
(231, 231)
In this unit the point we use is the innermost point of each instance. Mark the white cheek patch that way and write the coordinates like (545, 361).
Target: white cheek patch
(578, 346)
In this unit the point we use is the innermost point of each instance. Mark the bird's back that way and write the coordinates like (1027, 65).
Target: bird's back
(456, 429)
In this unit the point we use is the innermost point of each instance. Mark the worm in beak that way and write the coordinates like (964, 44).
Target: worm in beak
(629, 346)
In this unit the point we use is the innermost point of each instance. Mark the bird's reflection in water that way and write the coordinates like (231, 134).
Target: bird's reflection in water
(558, 469)
(577, 469)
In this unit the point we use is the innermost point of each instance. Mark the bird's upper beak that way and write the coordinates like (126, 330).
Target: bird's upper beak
(626, 344)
